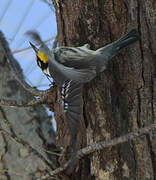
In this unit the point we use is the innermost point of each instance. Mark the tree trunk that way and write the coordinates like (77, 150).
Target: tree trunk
(120, 99)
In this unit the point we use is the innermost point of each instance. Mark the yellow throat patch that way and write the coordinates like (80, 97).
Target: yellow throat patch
(42, 56)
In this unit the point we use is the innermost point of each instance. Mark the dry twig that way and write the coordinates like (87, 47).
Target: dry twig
(15, 103)
(55, 42)
(101, 145)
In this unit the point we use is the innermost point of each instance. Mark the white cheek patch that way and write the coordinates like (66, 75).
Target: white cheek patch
(46, 71)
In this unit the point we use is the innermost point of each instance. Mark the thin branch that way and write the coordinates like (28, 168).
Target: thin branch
(49, 3)
(54, 172)
(6, 7)
(15, 103)
(27, 48)
(104, 144)
(24, 16)
(101, 145)
(17, 73)
(55, 42)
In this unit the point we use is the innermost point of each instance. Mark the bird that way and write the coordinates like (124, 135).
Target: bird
(72, 67)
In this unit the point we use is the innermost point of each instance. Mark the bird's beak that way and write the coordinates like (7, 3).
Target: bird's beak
(34, 48)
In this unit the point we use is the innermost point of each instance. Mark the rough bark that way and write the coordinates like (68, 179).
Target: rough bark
(123, 97)
(24, 132)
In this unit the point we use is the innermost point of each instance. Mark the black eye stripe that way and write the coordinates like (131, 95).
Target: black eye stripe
(41, 64)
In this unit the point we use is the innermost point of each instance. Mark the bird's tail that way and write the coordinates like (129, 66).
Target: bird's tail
(107, 52)
(126, 40)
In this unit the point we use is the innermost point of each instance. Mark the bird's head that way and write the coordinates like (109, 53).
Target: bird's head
(42, 58)
(40, 54)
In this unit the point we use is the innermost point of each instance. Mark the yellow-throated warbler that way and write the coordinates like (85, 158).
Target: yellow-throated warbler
(80, 64)
(71, 67)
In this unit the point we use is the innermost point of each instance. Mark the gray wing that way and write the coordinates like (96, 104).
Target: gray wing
(62, 72)
(71, 93)
(78, 57)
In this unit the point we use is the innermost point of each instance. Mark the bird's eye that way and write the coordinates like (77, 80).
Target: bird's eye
(43, 57)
